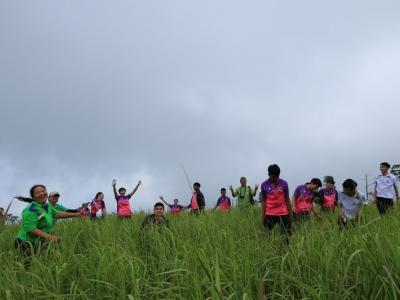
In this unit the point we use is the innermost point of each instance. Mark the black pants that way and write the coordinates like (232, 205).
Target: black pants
(383, 204)
(284, 222)
(27, 249)
(302, 216)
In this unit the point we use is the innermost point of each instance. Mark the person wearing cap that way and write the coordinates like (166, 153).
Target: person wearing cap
(303, 199)
(53, 200)
(328, 195)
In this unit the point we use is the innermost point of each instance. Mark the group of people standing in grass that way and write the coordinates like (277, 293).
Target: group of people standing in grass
(38, 218)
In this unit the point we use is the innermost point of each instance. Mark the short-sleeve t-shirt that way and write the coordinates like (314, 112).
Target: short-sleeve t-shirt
(329, 197)
(97, 205)
(385, 185)
(59, 207)
(175, 208)
(244, 195)
(303, 199)
(123, 205)
(224, 203)
(274, 195)
(351, 205)
(36, 216)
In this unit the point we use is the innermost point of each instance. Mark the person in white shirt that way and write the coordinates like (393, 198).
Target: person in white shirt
(350, 203)
(385, 189)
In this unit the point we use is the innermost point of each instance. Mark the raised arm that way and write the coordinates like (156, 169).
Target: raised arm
(232, 191)
(114, 183)
(166, 203)
(135, 189)
(255, 190)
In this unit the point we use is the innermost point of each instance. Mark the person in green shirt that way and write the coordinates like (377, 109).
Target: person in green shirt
(244, 194)
(53, 200)
(37, 222)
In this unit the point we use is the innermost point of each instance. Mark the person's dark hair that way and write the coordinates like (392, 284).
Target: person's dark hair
(317, 182)
(34, 187)
(159, 204)
(223, 190)
(196, 184)
(330, 179)
(97, 195)
(385, 164)
(274, 170)
(121, 189)
(349, 184)
(244, 178)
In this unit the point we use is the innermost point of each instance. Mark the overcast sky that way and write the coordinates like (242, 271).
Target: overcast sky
(96, 90)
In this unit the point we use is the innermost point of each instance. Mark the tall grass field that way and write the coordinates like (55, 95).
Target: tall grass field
(212, 256)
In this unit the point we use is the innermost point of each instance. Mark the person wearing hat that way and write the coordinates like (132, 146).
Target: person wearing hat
(53, 199)
(329, 195)
(303, 199)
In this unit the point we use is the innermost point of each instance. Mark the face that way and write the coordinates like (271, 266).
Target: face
(40, 195)
(122, 192)
(196, 188)
(159, 211)
(330, 186)
(100, 197)
(54, 199)
(273, 178)
(223, 193)
(384, 169)
(313, 186)
(176, 201)
(350, 192)
(243, 181)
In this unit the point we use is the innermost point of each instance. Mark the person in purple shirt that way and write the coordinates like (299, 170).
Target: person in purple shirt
(223, 202)
(175, 208)
(276, 206)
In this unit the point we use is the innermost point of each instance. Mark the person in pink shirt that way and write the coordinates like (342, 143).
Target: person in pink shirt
(123, 206)
(303, 199)
(175, 208)
(329, 196)
(223, 203)
(276, 206)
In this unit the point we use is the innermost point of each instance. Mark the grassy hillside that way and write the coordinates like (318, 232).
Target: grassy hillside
(223, 256)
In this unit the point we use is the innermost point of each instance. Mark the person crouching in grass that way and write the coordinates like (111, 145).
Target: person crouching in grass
(350, 203)
(37, 223)
(157, 218)
(303, 199)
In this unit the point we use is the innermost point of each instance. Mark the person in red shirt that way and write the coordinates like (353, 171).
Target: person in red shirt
(303, 199)
(223, 203)
(98, 207)
(276, 206)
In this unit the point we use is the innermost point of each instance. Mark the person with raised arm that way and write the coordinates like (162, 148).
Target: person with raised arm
(244, 194)
(37, 223)
(175, 208)
(124, 210)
